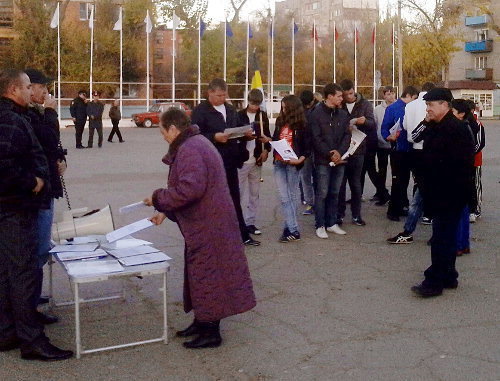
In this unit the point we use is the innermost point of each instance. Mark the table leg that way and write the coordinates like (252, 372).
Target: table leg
(165, 324)
(77, 322)
(51, 282)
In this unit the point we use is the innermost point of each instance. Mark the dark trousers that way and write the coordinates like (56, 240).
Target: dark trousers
(370, 167)
(443, 249)
(383, 162)
(18, 277)
(115, 130)
(79, 126)
(401, 164)
(234, 190)
(352, 175)
(92, 128)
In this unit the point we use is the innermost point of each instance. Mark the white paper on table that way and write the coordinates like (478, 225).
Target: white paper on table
(84, 268)
(237, 132)
(76, 255)
(128, 229)
(131, 251)
(395, 128)
(125, 243)
(79, 240)
(61, 248)
(135, 206)
(284, 149)
(144, 259)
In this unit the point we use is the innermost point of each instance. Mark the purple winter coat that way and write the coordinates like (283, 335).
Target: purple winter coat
(217, 280)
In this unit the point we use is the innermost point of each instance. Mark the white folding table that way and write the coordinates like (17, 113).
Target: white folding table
(159, 268)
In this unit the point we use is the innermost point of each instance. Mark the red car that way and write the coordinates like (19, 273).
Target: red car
(152, 117)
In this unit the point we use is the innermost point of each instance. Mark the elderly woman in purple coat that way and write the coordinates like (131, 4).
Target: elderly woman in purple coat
(217, 281)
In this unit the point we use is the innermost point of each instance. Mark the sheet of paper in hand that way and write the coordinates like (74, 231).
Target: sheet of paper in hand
(284, 149)
(395, 128)
(356, 140)
(237, 132)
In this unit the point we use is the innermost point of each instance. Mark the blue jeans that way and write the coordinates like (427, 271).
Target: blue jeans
(44, 230)
(415, 212)
(287, 181)
(463, 231)
(306, 179)
(328, 181)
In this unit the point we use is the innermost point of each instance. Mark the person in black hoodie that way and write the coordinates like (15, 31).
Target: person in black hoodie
(213, 116)
(291, 126)
(448, 157)
(250, 173)
(24, 178)
(78, 110)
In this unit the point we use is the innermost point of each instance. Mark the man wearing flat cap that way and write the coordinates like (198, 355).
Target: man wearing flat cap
(78, 110)
(94, 112)
(448, 158)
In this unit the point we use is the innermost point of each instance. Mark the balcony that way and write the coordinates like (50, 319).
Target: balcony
(477, 20)
(484, 46)
(479, 74)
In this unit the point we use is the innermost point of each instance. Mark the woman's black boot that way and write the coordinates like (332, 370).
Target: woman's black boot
(208, 337)
(193, 329)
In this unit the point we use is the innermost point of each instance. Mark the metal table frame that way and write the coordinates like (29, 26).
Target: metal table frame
(160, 268)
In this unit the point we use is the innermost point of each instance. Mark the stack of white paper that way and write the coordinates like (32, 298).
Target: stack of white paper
(87, 268)
(125, 243)
(76, 255)
(73, 248)
(131, 251)
(144, 259)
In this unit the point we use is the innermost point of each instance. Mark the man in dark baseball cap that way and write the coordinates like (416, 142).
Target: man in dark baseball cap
(448, 158)
(36, 76)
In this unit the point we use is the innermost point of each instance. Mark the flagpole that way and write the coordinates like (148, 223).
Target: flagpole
(174, 27)
(147, 63)
(58, 62)
(334, 52)
(91, 47)
(393, 57)
(121, 60)
(355, 59)
(374, 64)
(314, 56)
(246, 71)
(272, 64)
(293, 56)
(225, 47)
(199, 60)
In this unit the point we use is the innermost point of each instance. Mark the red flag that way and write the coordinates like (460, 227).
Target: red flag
(356, 35)
(336, 34)
(314, 33)
(373, 36)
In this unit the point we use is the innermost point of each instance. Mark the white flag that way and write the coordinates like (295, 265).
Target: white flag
(175, 21)
(91, 18)
(54, 23)
(149, 23)
(118, 23)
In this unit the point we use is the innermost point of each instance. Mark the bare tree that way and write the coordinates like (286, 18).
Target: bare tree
(237, 5)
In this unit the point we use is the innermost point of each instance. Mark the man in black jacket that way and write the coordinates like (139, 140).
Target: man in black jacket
(94, 112)
(78, 110)
(24, 177)
(331, 137)
(213, 116)
(250, 173)
(46, 127)
(448, 157)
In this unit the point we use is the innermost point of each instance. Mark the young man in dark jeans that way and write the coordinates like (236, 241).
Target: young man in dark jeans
(115, 115)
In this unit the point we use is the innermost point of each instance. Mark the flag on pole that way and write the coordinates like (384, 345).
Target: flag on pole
(295, 28)
(203, 28)
(229, 31)
(91, 17)
(314, 33)
(149, 23)
(118, 23)
(336, 34)
(373, 35)
(175, 21)
(271, 30)
(250, 32)
(357, 35)
(54, 23)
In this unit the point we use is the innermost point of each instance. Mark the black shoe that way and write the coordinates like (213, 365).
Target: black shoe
(375, 197)
(426, 221)
(383, 200)
(8, 345)
(122, 141)
(46, 319)
(193, 329)
(80, 147)
(404, 212)
(43, 300)
(452, 284)
(45, 351)
(88, 147)
(392, 217)
(251, 242)
(427, 291)
(401, 238)
(340, 221)
(110, 141)
(209, 336)
(99, 145)
(287, 236)
(252, 229)
(358, 221)
(348, 201)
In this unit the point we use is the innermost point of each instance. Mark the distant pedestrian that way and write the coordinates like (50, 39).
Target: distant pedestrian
(94, 112)
(78, 110)
(115, 115)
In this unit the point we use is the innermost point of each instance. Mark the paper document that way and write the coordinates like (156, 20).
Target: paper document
(131, 251)
(237, 132)
(61, 248)
(79, 240)
(135, 206)
(129, 229)
(77, 255)
(87, 268)
(124, 243)
(395, 128)
(284, 149)
(357, 138)
(144, 259)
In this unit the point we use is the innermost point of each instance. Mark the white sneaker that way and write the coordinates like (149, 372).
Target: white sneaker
(321, 232)
(336, 229)
(472, 218)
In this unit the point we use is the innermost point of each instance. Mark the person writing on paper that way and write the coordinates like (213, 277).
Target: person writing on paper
(291, 126)
(217, 281)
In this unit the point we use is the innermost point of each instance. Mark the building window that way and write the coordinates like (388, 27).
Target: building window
(315, 5)
(159, 53)
(159, 38)
(483, 99)
(482, 34)
(480, 62)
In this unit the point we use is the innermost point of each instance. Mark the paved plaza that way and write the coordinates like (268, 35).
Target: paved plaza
(336, 309)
